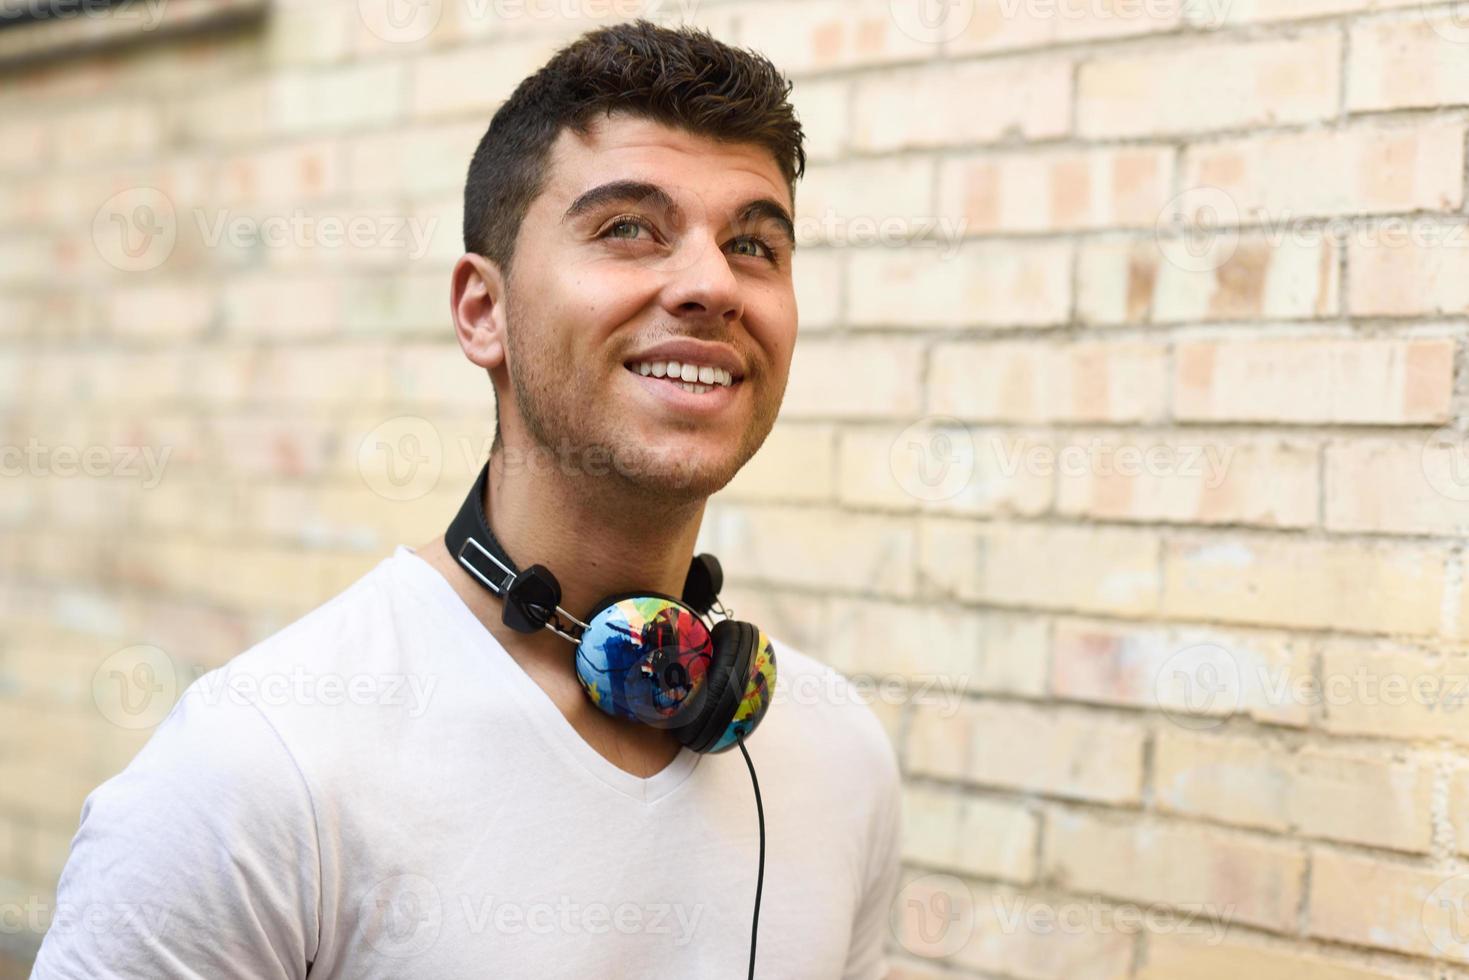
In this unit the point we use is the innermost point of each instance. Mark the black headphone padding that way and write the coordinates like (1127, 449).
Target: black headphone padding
(734, 648)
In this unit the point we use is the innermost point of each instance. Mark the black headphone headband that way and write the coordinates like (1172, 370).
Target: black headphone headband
(532, 598)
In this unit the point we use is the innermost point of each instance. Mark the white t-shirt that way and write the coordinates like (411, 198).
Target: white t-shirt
(379, 790)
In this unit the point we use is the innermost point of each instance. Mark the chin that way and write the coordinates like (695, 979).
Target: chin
(676, 471)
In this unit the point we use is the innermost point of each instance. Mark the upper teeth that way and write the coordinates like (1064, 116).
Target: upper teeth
(701, 373)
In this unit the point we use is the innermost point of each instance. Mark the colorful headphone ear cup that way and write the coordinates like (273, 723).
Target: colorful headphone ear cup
(755, 696)
(734, 646)
(644, 658)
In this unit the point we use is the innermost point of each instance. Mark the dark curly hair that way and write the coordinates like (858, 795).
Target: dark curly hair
(679, 77)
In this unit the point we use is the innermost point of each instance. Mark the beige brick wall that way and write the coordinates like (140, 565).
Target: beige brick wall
(1124, 452)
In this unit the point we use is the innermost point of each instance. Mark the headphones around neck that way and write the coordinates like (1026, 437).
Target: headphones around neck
(643, 656)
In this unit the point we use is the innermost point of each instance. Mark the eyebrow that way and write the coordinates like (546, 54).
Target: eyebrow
(629, 191)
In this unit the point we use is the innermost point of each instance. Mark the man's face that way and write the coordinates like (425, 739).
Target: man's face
(607, 283)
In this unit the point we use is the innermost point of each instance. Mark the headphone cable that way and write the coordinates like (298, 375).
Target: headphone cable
(760, 876)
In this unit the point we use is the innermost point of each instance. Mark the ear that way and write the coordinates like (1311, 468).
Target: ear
(477, 303)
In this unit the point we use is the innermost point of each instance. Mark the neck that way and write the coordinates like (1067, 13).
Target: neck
(597, 535)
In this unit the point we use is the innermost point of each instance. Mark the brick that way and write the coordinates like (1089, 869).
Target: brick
(1069, 754)
(1106, 569)
(162, 311)
(1057, 189)
(866, 203)
(118, 131)
(854, 378)
(335, 98)
(422, 375)
(393, 305)
(1221, 14)
(1397, 486)
(828, 34)
(815, 547)
(1279, 179)
(1409, 63)
(1201, 87)
(1244, 277)
(1390, 691)
(1232, 878)
(952, 284)
(999, 25)
(1459, 809)
(796, 463)
(994, 471)
(941, 649)
(1357, 798)
(1318, 379)
(970, 835)
(1386, 905)
(1198, 677)
(818, 277)
(1194, 477)
(1355, 586)
(283, 175)
(274, 305)
(418, 160)
(473, 80)
(824, 106)
(1413, 269)
(1036, 104)
(1086, 381)
(1172, 957)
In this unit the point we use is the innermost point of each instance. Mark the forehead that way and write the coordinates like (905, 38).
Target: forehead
(624, 146)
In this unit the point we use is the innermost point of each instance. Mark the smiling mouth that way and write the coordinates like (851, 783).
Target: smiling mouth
(698, 379)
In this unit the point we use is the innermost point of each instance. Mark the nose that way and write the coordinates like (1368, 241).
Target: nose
(701, 285)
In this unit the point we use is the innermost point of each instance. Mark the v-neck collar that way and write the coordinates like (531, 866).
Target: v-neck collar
(538, 704)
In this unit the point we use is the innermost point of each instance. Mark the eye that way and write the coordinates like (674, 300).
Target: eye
(626, 222)
(758, 242)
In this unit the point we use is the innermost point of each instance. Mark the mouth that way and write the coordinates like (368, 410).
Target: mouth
(696, 379)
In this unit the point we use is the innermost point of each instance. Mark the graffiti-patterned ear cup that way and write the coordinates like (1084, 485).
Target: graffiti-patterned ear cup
(738, 696)
(646, 658)
(758, 689)
(733, 646)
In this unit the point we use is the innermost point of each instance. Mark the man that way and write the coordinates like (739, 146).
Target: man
(629, 207)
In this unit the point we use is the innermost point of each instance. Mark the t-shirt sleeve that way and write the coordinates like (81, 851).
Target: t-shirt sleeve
(867, 956)
(199, 860)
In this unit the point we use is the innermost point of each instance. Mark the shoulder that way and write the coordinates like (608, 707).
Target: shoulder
(831, 714)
